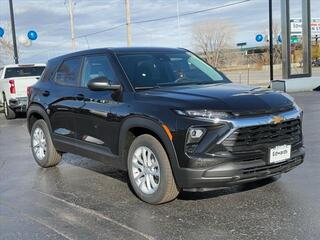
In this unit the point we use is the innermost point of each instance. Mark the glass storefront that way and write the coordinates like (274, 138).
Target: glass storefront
(315, 33)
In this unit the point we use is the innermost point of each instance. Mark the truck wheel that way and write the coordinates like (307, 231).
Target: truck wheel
(150, 172)
(8, 112)
(42, 147)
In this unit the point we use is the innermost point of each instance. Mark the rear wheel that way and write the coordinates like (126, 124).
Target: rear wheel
(8, 112)
(150, 172)
(42, 147)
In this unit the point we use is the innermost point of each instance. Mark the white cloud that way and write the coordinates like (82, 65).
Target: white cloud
(50, 19)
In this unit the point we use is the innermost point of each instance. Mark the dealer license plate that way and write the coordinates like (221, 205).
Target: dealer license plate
(280, 154)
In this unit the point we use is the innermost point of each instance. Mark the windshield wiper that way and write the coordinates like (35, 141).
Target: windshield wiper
(172, 84)
(183, 83)
(146, 88)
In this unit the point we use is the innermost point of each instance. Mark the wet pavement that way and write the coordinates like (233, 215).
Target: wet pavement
(84, 199)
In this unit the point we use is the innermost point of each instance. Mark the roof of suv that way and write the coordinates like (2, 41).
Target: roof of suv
(123, 50)
(145, 49)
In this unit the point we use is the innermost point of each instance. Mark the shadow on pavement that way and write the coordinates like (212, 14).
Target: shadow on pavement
(184, 195)
(96, 166)
(18, 115)
(226, 191)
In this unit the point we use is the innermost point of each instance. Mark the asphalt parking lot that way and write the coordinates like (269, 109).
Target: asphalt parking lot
(84, 199)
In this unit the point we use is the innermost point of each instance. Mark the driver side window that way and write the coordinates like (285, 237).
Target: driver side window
(96, 66)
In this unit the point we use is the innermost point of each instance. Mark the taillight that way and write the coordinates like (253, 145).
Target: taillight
(29, 91)
(12, 86)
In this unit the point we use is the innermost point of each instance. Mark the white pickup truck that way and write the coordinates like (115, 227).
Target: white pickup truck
(14, 82)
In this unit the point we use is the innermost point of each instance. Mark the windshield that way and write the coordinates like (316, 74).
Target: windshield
(23, 72)
(167, 69)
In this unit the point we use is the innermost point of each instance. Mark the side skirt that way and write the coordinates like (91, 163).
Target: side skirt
(78, 147)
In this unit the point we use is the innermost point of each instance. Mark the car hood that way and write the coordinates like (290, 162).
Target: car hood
(229, 97)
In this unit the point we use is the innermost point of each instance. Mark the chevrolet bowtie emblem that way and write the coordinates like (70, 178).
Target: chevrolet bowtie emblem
(277, 119)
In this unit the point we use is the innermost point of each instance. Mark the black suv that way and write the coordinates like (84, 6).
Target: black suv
(165, 116)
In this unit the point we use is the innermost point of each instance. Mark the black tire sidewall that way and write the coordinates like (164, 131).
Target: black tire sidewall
(43, 126)
(6, 108)
(156, 147)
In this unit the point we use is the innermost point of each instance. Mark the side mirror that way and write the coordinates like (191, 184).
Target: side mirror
(102, 84)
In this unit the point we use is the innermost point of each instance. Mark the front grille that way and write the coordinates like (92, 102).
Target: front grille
(257, 137)
(273, 168)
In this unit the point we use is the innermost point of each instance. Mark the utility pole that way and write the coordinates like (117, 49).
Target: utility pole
(129, 40)
(13, 29)
(179, 25)
(271, 40)
(73, 37)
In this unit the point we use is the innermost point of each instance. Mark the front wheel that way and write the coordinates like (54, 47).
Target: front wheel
(42, 147)
(150, 172)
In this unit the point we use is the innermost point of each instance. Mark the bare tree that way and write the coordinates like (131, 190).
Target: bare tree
(211, 39)
(6, 47)
(261, 56)
(263, 59)
(277, 50)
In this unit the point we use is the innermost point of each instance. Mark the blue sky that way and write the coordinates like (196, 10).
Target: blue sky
(51, 21)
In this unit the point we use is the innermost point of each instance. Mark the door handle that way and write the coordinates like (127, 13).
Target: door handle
(45, 93)
(80, 96)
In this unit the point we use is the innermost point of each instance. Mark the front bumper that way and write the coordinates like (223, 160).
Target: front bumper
(234, 172)
(18, 104)
(242, 153)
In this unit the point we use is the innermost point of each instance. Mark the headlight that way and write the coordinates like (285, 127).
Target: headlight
(204, 114)
(288, 96)
(295, 105)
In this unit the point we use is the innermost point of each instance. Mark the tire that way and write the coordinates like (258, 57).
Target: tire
(8, 112)
(157, 188)
(40, 135)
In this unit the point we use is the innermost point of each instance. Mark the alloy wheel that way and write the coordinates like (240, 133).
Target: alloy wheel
(39, 144)
(146, 170)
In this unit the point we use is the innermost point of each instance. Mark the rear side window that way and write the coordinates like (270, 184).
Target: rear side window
(68, 72)
(49, 70)
(12, 72)
(97, 66)
(46, 74)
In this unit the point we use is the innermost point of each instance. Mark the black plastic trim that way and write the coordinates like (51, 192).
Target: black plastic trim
(155, 127)
(38, 109)
(75, 146)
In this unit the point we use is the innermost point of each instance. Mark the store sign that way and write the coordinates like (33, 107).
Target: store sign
(296, 26)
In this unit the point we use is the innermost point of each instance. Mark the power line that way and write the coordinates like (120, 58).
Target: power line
(104, 30)
(191, 13)
(165, 18)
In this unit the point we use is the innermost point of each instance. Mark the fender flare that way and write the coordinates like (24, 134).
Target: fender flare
(150, 125)
(38, 109)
